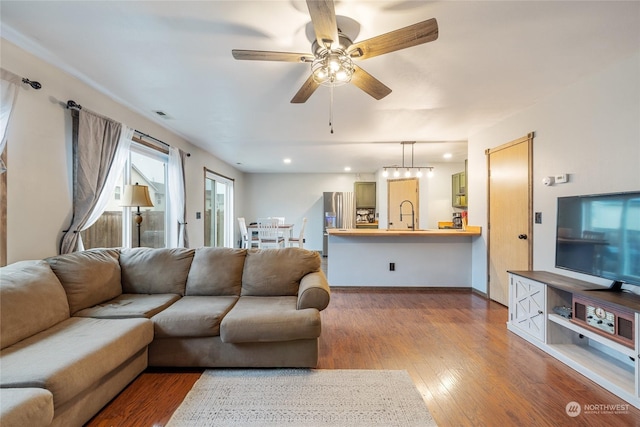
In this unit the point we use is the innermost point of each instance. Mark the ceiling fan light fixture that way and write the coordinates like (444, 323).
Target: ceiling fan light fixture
(332, 67)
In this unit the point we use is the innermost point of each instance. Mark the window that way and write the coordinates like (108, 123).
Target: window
(218, 218)
(145, 166)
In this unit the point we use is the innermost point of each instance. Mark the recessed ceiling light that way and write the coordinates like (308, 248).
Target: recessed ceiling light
(287, 161)
(347, 169)
(447, 155)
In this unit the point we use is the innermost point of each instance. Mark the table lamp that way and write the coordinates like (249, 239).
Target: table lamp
(137, 196)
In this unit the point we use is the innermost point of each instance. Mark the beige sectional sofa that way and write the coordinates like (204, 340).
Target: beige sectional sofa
(76, 329)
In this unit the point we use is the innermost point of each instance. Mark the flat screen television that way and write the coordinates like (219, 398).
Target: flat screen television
(599, 235)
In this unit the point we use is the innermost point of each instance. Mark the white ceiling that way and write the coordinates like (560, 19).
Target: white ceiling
(491, 60)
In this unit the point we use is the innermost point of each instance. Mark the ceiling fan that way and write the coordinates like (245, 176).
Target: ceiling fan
(333, 52)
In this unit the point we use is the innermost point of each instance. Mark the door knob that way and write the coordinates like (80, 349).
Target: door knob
(522, 236)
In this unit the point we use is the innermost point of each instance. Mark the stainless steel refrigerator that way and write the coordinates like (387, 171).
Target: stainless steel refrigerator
(338, 212)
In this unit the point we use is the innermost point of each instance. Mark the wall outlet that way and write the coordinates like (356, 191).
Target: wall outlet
(561, 179)
(538, 218)
(198, 215)
(392, 266)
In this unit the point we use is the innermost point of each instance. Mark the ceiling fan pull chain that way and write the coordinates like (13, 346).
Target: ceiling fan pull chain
(331, 108)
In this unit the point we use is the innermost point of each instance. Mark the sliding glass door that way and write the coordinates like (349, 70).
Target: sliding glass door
(218, 218)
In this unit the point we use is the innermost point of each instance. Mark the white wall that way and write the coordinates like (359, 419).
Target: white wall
(295, 196)
(590, 131)
(39, 199)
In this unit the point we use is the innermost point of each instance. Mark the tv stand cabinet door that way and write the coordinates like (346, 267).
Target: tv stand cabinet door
(527, 308)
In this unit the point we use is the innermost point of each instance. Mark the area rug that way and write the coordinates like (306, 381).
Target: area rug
(302, 397)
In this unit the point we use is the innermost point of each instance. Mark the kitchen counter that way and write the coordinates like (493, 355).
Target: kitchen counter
(401, 258)
(381, 232)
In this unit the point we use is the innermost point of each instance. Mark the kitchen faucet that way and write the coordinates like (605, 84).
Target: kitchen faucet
(413, 219)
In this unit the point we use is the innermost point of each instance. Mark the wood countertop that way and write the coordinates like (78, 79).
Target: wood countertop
(471, 230)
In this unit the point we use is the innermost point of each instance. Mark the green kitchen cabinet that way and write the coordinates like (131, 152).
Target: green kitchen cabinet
(365, 194)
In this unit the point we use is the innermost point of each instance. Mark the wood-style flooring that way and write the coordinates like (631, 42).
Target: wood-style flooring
(469, 369)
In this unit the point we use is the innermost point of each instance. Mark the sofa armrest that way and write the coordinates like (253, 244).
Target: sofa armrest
(314, 291)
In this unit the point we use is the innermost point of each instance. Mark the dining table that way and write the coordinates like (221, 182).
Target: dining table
(285, 229)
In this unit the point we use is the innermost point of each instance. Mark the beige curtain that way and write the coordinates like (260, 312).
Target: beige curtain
(95, 142)
(178, 237)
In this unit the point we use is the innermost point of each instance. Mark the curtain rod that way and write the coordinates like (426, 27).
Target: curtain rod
(73, 105)
(157, 140)
(13, 78)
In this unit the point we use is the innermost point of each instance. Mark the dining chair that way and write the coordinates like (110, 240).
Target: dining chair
(280, 222)
(268, 234)
(279, 218)
(299, 241)
(248, 241)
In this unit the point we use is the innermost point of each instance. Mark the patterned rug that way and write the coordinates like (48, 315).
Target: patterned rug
(302, 397)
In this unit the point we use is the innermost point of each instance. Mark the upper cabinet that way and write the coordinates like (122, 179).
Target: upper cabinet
(459, 189)
(365, 194)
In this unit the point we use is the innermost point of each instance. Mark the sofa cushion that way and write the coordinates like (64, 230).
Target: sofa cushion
(72, 356)
(31, 300)
(21, 407)
(216, 271)
(193, 316)
(267, 319)
(130, 305)
(155, 271)
(88, 277)
(277, 272)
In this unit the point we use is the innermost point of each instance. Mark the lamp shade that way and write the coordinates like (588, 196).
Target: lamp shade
(136, 195)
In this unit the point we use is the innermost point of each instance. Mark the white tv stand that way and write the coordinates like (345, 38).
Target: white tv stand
(532, 297)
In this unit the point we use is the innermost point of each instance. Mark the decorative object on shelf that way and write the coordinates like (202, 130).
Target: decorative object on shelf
(137, 196)
(605, 319)
(406, 168)
(562, 310)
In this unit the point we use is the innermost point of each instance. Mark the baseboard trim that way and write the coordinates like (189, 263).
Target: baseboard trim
(401, 289)
(480, 293)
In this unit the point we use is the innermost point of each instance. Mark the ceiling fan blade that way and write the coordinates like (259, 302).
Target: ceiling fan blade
(413, 35)
(307, 89)
(323, 17)
(368, 83)
(263, 55)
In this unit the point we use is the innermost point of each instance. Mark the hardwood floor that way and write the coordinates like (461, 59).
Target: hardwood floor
(469, 369)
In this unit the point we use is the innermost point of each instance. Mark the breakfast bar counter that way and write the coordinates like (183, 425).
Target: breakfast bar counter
(380, 232)
(401, 258)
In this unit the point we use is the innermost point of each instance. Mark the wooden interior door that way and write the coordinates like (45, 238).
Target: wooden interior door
(400, 190)
(510, 205)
